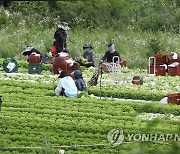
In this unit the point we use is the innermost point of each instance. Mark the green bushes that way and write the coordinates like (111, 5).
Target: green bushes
(117, 14)
(130, 25)
(3, 18)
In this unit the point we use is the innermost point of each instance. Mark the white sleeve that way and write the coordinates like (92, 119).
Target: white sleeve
(58, 88)
(57, 91)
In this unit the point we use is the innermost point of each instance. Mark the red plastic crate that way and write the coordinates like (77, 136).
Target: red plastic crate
(160, 59)
(66, 67)
(174, 98)
(123, 63)
(61, 60)
(57, 68)
(35, 58)
(137, 80)
(159, 70)
(170, 59)
(174, 71)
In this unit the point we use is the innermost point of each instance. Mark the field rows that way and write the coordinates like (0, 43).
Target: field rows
(33, 116)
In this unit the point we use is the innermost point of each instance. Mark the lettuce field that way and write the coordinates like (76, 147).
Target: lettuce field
(34, 120)
(115, 116)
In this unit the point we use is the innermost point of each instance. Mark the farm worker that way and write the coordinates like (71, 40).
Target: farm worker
(108, 57)
(60, 37)
(29, 50)
(80, 84)
(66, 86)
(110, 54)
(88, 56)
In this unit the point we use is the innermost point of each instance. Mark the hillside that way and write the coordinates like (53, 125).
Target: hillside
(140, 27)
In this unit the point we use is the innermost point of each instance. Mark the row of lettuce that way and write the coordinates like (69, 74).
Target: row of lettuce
(48, 88)
(39, 120)
(154, 88)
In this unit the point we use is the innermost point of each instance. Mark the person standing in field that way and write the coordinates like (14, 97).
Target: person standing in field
(60, 37)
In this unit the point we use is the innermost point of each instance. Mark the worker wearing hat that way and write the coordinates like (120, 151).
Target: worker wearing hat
(80, 83)
(28, 50)
(88, 55)
(60, 37)
(66, 86)
(111, 53)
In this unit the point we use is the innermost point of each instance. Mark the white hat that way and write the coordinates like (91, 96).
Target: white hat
(64, 25)
(27, 48)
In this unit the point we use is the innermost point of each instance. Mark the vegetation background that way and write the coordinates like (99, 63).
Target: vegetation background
(139, 28)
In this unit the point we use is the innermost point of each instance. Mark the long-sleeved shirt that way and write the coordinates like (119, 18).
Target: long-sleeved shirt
(66, 83)
(80, 84)
(89, 56)
(109, 56)
(60, 37)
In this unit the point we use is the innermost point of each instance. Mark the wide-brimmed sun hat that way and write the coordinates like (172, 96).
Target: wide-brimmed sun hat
(64, 25)
(87, 45)
(27, 50)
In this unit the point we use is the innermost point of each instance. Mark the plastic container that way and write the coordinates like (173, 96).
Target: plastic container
(61, 60)
(123, 63)
(160, 59)
(35, 68)
(35, 58)
(174, 71)
(174, 98)
(170, 59)
(104, 67)
(137, 80)
(159, 70)
(10, 65)
(57, 68)
(66, 67)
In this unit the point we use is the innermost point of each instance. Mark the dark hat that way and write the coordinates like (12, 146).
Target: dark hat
(62, 74)
(87, 45)
(77, 74)
(109, 44)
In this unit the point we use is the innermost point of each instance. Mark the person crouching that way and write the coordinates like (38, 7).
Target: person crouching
(66, 86)
(80, 84)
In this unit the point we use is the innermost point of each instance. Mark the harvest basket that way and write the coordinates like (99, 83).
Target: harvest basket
(35, 58)
(174, 98)
(35, 68)
(174, 71)
(10, 65)
(170, 59)
(160, 59)
(61, 64)
(137, 80)
(159, 70)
